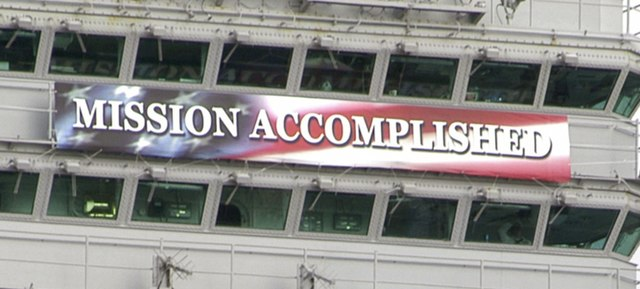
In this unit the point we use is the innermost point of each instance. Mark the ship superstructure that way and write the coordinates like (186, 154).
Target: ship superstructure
(318, 144)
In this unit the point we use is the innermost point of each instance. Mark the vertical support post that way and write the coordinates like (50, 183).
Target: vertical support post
(86, 262)
(233, 252)
(375, 269)
(637, 167)
(580, 15)
(549, 270)
(628, 15)
(481, 274)
(617, 278)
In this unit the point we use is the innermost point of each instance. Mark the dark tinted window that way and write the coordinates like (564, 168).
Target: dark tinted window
(502, 223)
(337, 213)
(423, 218)
(17, 192)
(169, 202)
(578, 87)
(170, 60)
(502, 82)
(94, 55)
(420, 77)
(629, 235)
(18, 49)
(583, 228)
(261, 66)
(629, 96)
(85, 197)
(253, 207)
(341, 71)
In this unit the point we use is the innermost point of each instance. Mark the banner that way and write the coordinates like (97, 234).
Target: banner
(319, 132)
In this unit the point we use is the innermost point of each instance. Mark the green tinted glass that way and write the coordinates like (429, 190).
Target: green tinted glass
(423, 218)
(341, 71)
(503, 223)
(629, 96)
(260, 66)
(168, 202)
(629, 235)
(170, 60)
(577, 87)
(17, 192)
(82, 54)
(337, 213)
(18, 49)
(253, 207)
(583, 228)
(420, 77)
(502, 82)
(85, 197)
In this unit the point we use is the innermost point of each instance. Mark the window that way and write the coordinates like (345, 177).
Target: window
(503, 223)
(85, 197)
(420, 77)
(583, 228)
(326, 70)
(423, 218)
(629, 235)
(629, 96)
(253, 207)
(168, 202)
(83, 54)
(18, 49)
(577, 87)
(254, 65)
(17, 192)
(337, 213)
(170, 60)
(502, 82)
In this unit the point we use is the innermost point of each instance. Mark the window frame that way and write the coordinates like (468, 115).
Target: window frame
(208, 65)
(288, 222)
(460, 211)
(376, 73)
(83, 33)
(503, 105)
(41, 53)
(537, 238)
(35, 205)
(373, 230)
(618, 231)
(465, 77)
(206, 208)
(219, 58)
(459, 73)
(250, 230)
(124, 65)
(122, 209)
(585, 64)
(616, 97)
(607, 250)
(134, 193)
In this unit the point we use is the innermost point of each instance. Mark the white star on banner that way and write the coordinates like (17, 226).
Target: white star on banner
(185, 98)
(76, 93)
(142, 143)
(82, 137)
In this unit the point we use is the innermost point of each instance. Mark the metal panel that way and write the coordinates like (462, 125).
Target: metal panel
(602, 147)
(25, 110)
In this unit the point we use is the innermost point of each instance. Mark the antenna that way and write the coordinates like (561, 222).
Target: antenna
(166, 268)
(308, 278)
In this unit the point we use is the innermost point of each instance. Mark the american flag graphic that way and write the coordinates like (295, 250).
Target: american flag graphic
(553, 166)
